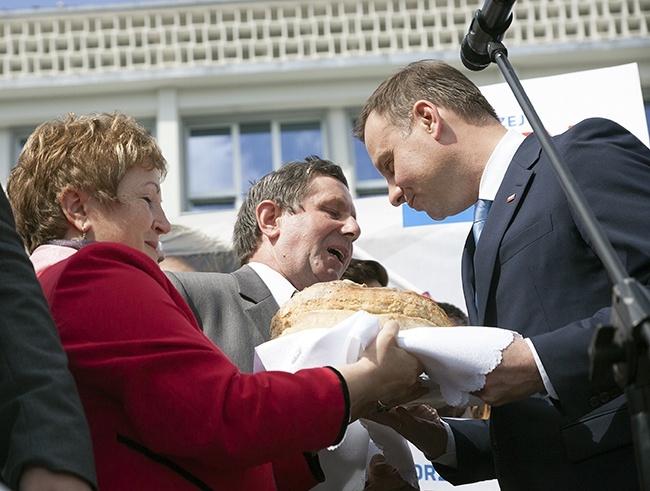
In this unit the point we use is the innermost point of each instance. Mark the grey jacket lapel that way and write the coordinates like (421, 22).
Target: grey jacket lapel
(263, 306)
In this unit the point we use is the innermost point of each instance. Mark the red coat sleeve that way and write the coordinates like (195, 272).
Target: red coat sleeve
(299, 472)
(129, 335)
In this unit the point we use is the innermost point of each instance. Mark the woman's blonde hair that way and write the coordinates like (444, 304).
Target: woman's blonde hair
(90, 152)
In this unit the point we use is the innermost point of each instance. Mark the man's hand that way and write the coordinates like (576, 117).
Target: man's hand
(514, 379)
(420, 425)
(384, 477)
(41, 479)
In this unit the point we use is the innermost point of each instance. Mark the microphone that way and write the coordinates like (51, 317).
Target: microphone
(489, 24)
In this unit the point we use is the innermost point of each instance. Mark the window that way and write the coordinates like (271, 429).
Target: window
(300, 140)
(210, 178)
(223, 162)
(256, 153)
(369, 180)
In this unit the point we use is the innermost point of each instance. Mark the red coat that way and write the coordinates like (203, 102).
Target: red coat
(167, 409)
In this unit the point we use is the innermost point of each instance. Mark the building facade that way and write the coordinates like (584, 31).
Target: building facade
(231, 89)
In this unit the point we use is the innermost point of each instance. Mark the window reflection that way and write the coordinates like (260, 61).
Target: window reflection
(365, 170)
(300, 140)
(219, 173)
(210, 163)
(256, 153)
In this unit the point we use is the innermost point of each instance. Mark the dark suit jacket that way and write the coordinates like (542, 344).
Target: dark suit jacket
(233, 309)
(536, 273)
(41, 418)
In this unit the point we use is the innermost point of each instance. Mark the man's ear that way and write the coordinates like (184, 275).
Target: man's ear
(73, 203)
(426, 114)
(269, 218)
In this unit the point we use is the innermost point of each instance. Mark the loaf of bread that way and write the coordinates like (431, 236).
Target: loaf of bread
(328, 303)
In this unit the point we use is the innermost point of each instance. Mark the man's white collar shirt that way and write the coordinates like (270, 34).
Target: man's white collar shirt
(498, 163)
(280, 287)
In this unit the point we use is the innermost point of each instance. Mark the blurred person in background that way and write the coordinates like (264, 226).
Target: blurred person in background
(188, 249)
(458, 317)
(366, 271)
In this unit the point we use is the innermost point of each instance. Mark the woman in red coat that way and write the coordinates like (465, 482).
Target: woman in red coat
(167, 410)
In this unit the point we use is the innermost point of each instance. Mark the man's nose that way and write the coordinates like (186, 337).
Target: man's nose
(351, 228)
(395, 195)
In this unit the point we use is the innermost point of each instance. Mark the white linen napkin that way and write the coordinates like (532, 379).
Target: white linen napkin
(456, 360)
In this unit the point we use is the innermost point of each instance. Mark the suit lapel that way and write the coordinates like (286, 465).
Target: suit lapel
(263, 306)
(506, 203)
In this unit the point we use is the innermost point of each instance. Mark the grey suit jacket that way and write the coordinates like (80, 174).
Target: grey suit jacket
(233, 309)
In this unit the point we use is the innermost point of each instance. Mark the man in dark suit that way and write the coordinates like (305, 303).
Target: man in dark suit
(295, 228)
(44, 437)
(441, 147)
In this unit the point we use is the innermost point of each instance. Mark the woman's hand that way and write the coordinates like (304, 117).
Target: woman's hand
(385, 375)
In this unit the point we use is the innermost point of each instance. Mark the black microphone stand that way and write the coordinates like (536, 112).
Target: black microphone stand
(622, 346)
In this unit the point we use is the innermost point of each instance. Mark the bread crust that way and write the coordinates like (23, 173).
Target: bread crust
(328, 303)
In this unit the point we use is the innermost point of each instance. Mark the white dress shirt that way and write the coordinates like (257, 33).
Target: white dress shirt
(280, 287)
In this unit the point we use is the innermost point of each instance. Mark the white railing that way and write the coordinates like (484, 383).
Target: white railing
(65, 42)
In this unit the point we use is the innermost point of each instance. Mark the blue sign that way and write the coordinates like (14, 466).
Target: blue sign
(412, 218)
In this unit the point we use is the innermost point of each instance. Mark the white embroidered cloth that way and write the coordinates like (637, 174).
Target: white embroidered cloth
(456, 361)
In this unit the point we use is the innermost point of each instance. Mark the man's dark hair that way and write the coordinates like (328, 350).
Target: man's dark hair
(287, 188)
(431, 80)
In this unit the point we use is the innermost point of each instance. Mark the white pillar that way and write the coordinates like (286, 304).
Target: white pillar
(339, 144)
(7, 158)
(168, 135)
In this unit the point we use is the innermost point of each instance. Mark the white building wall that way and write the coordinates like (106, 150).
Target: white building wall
(168, 62)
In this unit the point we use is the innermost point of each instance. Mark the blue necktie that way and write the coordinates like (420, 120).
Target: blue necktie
(480, 214)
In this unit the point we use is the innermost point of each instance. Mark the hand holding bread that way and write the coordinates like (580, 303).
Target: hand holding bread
(385, 374)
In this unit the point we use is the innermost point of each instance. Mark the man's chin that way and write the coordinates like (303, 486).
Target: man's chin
(330, 275)
(435, 216)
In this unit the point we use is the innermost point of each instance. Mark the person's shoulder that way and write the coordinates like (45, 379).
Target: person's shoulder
(188, 277)
(115, 258)
(596, 122)
(112, 252)
(596, 134)
(195, 281)
(597, 128)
